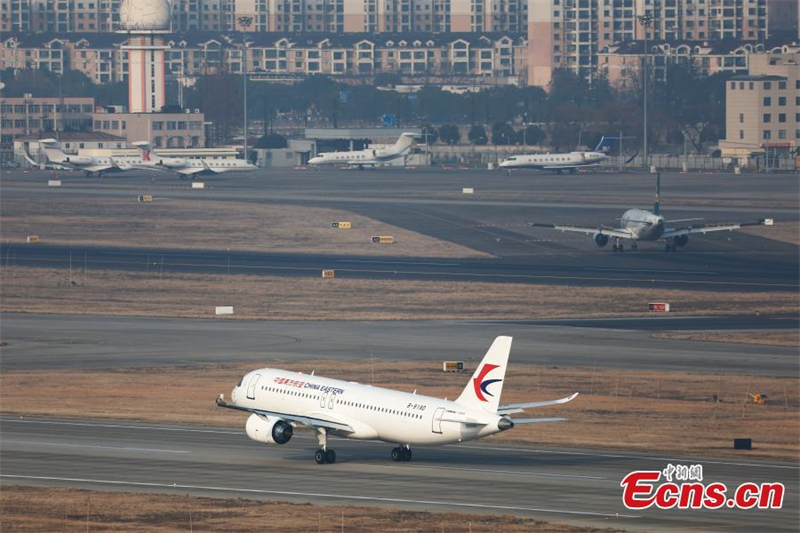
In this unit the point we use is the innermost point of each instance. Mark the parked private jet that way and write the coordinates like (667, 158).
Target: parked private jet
(279, 401)
(560, 162)
(369, 157)
(89, 164)
(189, 166)
(642, 225)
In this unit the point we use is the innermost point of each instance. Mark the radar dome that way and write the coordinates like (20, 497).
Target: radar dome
(147, 15)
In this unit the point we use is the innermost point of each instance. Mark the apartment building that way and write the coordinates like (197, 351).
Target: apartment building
(571, 33)
(621, 63)
(59, 15)
(763, 107)
(492, 57)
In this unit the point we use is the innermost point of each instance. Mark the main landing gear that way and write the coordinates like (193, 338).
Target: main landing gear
(401, 454)
(618, 246)
(324, 455)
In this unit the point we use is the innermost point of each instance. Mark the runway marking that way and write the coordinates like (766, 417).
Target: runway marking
(393, 262)
(701, 272)
(465, 447)
(93, 446)
(320, 495)
(513, 472)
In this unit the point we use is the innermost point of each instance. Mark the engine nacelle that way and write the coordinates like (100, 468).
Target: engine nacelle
(600, 239)
(79, 160)
(173, 163)
(268, 431)
(681, 240)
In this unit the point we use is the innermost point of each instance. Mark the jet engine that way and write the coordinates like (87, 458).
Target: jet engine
(78, 160)
(600, 239)
(681, 240)
(268, 431)
(173, 163)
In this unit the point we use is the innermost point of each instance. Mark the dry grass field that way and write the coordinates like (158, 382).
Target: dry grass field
(788, 232)
(669, 412)
(152, 293)
(211, 225)
(39, 510)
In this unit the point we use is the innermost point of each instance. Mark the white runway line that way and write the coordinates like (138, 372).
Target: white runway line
(319, 495)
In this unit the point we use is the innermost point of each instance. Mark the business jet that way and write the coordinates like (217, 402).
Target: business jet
(189, 166)
(560, 162)
(279, 401)
(642, 225)
(89, 164)
(369, 157)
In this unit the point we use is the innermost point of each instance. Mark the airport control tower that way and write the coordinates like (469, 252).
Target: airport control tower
(145, 22)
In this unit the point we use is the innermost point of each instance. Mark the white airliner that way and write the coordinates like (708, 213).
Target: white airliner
(642, 225)
(189, 166)
(559, 162)
(369, 157)
(280, 400)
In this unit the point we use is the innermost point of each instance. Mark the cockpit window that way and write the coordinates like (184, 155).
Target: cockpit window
(240, 381)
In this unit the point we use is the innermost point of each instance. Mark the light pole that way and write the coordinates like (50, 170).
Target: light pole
(646, 21)
(245, 22)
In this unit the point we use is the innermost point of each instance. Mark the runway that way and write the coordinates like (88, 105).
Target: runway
(53, 342)
(577, 486)
(494, 221)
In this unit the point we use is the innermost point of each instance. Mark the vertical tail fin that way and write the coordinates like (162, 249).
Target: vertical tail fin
(404, 142)
(657, 202)
(605, 144)
(484, 389)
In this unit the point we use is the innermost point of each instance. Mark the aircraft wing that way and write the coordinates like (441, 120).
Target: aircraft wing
(611, 232)
(120, 166)
(518, 407)
(189, 171)
(670, 233)
(321, 420)
(96, 168)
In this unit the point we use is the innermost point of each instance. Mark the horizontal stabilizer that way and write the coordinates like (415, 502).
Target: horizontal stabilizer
(513, 407)
(518, 421)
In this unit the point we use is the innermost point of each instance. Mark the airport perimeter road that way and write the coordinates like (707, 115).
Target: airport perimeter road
(51, 342)
(716, 272)
(577, 486)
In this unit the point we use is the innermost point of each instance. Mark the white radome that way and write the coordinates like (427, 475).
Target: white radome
(144, 14)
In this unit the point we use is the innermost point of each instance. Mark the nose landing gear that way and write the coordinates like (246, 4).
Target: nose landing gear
(617, 247)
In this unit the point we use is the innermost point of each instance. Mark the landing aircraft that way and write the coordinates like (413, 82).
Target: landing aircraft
(369, 157)
(279, 401)
(642, 225)
(560, 162)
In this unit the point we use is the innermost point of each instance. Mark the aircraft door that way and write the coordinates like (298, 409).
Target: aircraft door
(436, 426)
(323, 400)
(332, 401)
(251, 388)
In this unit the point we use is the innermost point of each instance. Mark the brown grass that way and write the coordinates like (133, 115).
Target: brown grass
(788, 232)
(670, 412)
(775, 337)
(34, 509)
(208, 225)
(99, 292)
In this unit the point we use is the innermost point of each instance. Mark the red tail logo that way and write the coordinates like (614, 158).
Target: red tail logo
(480, 384)
(146, 155)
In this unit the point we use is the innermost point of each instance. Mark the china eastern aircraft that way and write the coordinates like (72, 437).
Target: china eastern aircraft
(369, 157)
(642, 225)
(189, 166)
(560, 162)
(279, 401)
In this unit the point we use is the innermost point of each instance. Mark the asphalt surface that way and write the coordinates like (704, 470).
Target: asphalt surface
(54, 342)
(576, 486)
(494, 220)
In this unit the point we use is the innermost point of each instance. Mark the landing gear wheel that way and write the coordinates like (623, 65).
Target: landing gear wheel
(406, 455)
(614, 248)
(397, 454)
(330, 457)
(634, 247)
(321, 457)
